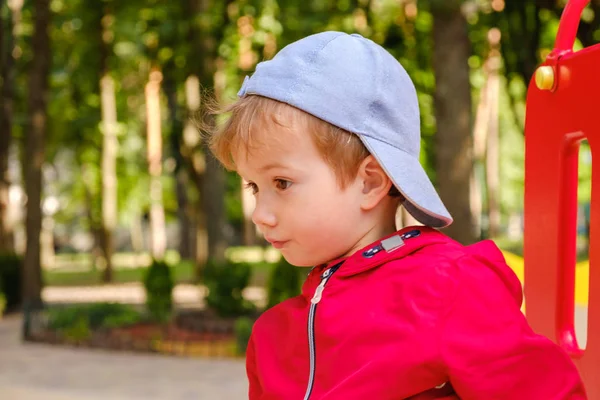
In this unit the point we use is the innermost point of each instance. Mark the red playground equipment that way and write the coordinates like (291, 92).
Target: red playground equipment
(561, 112)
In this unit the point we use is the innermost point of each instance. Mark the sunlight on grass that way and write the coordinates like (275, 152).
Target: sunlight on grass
(77, 270)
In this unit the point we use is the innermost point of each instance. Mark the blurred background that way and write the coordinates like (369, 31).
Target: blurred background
(118, 230)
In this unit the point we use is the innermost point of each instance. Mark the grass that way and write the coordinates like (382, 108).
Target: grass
(183, 272)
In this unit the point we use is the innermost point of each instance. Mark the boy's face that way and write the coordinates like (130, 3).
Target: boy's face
(300, 207)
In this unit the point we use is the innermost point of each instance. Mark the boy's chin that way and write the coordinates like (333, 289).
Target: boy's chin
(299, 262)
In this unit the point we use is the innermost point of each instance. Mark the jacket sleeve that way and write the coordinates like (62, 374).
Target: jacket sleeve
(490, 351)
(254, 388)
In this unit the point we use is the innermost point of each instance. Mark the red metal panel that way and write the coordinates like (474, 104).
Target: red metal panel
(557, 119)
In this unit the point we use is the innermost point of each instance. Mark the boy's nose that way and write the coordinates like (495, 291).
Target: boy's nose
(261, 216)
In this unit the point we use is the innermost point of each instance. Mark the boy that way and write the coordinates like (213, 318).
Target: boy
(327, 136)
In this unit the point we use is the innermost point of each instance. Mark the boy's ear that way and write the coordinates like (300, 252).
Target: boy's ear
(375, 183)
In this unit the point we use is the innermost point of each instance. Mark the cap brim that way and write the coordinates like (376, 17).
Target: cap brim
(422, 200)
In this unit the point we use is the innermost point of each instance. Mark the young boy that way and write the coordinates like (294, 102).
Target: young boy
(326, 135)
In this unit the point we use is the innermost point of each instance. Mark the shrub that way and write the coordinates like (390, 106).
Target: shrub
(159, 291)
(94, 316)
(243, 330)
(225, 283)
(2, 300)
(284, 282)
(79, 331)
(10, 279)
(2, 304)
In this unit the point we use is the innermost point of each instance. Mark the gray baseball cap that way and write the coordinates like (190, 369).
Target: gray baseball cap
(355, 84)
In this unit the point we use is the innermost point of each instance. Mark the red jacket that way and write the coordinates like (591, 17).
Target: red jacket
(402, 317)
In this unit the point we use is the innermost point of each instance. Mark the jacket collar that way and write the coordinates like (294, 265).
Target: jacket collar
(395, 246)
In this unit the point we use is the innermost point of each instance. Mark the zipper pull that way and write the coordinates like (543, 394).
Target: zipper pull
(324, 278)
(319, 292)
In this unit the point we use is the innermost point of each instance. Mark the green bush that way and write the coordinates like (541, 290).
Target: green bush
(243, 330)
(79, 331)
(94, 316)
(225, 283)
(159, 291)
(2, 304)
(284, 282)
(10, 279)
(2, 300)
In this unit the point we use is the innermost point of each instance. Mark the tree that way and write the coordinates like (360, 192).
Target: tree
(109, 145)
(207, 175)
(35, 152)
(7, 27)
(154, 150)
(5, 134)
(452, 99)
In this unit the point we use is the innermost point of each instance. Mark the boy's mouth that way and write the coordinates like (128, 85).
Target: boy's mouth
(278, 244)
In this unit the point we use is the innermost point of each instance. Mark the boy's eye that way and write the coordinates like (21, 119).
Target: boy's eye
(282, 184)
(252, 187)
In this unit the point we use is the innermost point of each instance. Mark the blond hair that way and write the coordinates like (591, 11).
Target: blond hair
(341, 150)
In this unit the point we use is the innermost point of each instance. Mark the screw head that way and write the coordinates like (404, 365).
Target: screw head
(544, 77)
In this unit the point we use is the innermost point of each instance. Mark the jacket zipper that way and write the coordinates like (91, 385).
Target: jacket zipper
(311, 325)
(388, 245)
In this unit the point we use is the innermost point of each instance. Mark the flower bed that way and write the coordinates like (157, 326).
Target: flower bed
(197, 333)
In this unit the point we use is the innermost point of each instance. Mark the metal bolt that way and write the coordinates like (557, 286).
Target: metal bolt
(544, 77)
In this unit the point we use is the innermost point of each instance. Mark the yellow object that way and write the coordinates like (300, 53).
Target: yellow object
(544, 77)
(582, 276)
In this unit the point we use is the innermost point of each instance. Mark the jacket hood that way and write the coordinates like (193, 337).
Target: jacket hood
(488, 253)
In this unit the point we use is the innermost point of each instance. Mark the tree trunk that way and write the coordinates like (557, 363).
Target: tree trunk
(109, 172)
(214, 190)
(47, 254)
(208, 176)
(480, 130)
(196, 167)
(95, 230)
(181, 177)
(5, 139)
(109, 145)
(452, 100)
(136, 232)
(157, 212)
(183, 214)
(485, 143)
(34, 152)
(493, 147)
(191, 148)
(6, 114)
(214, 206)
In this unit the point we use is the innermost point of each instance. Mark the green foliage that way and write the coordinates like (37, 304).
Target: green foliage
(233, 199)
(284, 282)
(77, 320)
(125, 318)
(243, 330)
(80, 330)
(225, 283)
(170, 35)
(10, 279)
(2, 304)
(2, 299)
(159, 291)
